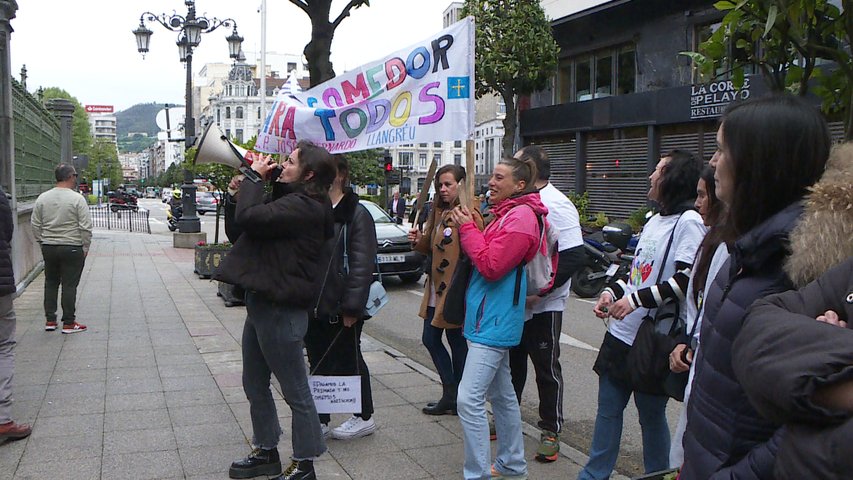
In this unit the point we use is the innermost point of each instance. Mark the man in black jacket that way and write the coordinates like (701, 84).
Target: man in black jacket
(9, 430)
(397, 208)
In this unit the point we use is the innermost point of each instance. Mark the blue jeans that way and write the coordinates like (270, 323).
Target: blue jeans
(612, 400)
(272, 344)
(487, 372)
(449, 367)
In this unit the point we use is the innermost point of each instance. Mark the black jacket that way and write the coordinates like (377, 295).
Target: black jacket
(725, 436)
(276, 254)
(7, 229)
(782, 355)
(343, 294)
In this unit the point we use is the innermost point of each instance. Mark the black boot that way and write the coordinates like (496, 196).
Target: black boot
(259, 462)
(446, 405)
(298, 470)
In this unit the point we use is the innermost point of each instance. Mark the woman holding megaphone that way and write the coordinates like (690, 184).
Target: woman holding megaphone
(275, 260)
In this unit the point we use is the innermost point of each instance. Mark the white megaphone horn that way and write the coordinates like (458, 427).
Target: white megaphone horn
(214, 147)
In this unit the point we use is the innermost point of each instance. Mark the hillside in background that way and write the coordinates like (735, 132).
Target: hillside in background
(138, 119)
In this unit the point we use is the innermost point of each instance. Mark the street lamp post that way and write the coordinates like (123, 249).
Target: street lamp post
(189, 28)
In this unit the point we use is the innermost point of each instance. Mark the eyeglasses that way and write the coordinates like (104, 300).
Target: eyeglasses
(74, 174)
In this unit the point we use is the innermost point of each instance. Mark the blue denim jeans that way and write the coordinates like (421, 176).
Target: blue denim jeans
(449, 367)
(612, 400)
(487, 373)
(272, 344)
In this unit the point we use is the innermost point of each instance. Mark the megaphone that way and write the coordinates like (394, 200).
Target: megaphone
(214, 147)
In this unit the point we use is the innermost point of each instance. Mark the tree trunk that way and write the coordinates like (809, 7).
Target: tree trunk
(319, 50)
(510, 123)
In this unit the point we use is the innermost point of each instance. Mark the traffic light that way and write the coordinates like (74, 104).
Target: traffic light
(389, 166)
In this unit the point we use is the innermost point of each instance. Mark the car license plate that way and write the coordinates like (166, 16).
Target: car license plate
(391, 258)
(610, 271)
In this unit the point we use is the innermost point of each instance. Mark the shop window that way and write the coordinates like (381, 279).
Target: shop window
(239, 112)
(626, 81)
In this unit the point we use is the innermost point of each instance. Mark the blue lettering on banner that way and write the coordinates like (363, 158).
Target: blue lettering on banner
(392, 135)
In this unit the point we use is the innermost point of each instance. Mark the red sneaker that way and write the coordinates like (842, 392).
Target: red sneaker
(49, 326)
(14, 431)
(73, 328)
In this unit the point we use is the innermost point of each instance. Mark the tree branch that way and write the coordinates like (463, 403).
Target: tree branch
(301, 4)
(345, 13)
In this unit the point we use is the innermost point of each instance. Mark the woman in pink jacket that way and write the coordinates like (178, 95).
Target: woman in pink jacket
(494, 317)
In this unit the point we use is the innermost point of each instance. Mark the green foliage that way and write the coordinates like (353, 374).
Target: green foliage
(103, 154)
(364, 167)
(600, 220)
(515, 52)
(135, 144)
(787, 41)
(581, 203)
(637, 219)
(91, 199)
(81, 131)
(140, 118)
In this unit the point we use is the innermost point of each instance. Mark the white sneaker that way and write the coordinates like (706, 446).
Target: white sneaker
(354, 427)
(324, 428)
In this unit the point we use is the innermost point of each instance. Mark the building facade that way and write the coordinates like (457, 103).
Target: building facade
(624, 95)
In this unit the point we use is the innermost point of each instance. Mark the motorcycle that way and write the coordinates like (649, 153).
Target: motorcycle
(609, 254)
(172, 217)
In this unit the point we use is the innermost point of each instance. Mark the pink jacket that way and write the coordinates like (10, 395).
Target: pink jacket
(504, 244)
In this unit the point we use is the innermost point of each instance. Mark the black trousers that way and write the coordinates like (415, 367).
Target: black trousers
(343, 358)
(541, 342)
(63, 265)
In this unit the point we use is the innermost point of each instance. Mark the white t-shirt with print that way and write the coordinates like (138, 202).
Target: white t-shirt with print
(649, 257)
(563, 216)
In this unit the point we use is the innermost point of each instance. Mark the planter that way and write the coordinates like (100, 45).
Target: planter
(209, 257)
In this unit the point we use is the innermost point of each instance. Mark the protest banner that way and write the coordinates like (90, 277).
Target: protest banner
(423, 93)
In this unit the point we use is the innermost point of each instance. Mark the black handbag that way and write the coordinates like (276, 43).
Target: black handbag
(676, 383)
(454, 296)
(659, 333)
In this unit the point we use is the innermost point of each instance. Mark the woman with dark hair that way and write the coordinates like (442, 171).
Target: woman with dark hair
(769, 152)
(275, 260)
(710, 257)
(440, 241)
(494, 317)
(333, 340)
(659, 273)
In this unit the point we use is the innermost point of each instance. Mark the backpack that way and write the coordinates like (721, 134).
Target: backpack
(542, 268)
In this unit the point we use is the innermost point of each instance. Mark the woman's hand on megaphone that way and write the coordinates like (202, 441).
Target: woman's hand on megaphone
(234, 184)
(263, 164)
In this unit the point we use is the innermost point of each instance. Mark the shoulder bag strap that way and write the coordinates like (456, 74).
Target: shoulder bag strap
(666, 252)
(326, 275)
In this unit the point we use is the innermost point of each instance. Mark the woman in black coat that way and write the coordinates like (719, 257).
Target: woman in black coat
(769, 151)
(798, 371)
(275, 260)
(333, 341)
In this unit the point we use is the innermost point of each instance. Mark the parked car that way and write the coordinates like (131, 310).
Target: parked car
(205, 202)
(394, 251)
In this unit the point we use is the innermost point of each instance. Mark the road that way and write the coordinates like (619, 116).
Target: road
(399, 326)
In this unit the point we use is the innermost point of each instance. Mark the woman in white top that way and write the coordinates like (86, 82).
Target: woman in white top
(656, 275)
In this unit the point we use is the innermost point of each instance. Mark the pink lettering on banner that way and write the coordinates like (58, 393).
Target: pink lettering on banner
(425, 97)
(359, 89)
(332, 93)
(395, 70)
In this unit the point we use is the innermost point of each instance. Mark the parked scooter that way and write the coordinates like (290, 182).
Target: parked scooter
(609, 254)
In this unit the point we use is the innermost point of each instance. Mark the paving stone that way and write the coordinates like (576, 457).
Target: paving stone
(421, 394)
(394, 465)
(387, 398)
(426, 435)
(118, 373)
(441, 461)
(210, 414)
(117, 386)
(79, 469)
(169, 371)
(133, 441)
(212, 459)
(135, 401)
(198, 382)
(207, 435)
(78, 405)
(136, 420)
(193, 398)
(143, 465)
(68, 425)
(397, 380)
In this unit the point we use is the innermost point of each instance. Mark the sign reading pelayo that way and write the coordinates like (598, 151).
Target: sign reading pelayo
(419, 94)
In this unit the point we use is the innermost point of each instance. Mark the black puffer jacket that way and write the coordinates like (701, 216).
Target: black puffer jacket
(783, 355)
(343, 294)
(7, 229)
(725, 436)
(276, 254)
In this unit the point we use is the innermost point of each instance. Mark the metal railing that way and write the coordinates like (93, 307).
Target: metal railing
(113, 217)
(37, 145)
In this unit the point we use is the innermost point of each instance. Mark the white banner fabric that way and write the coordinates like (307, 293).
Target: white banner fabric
(423, 93)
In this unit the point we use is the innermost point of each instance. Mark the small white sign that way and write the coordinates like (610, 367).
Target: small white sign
(611, 270)
(336, 394)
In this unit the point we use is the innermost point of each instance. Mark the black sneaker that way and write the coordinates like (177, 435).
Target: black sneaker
(301, 470)
(259, 462)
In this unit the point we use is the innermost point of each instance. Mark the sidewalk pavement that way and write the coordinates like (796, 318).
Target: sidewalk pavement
(153, 388)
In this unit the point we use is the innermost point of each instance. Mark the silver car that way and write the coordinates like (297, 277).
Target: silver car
(205, 202)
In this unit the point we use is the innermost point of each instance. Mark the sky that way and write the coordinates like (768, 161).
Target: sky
(86, 46)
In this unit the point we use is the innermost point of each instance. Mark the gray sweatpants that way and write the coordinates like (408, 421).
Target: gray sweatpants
(7, 356)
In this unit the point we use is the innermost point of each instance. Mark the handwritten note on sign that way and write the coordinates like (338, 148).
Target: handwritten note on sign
(336, 394)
